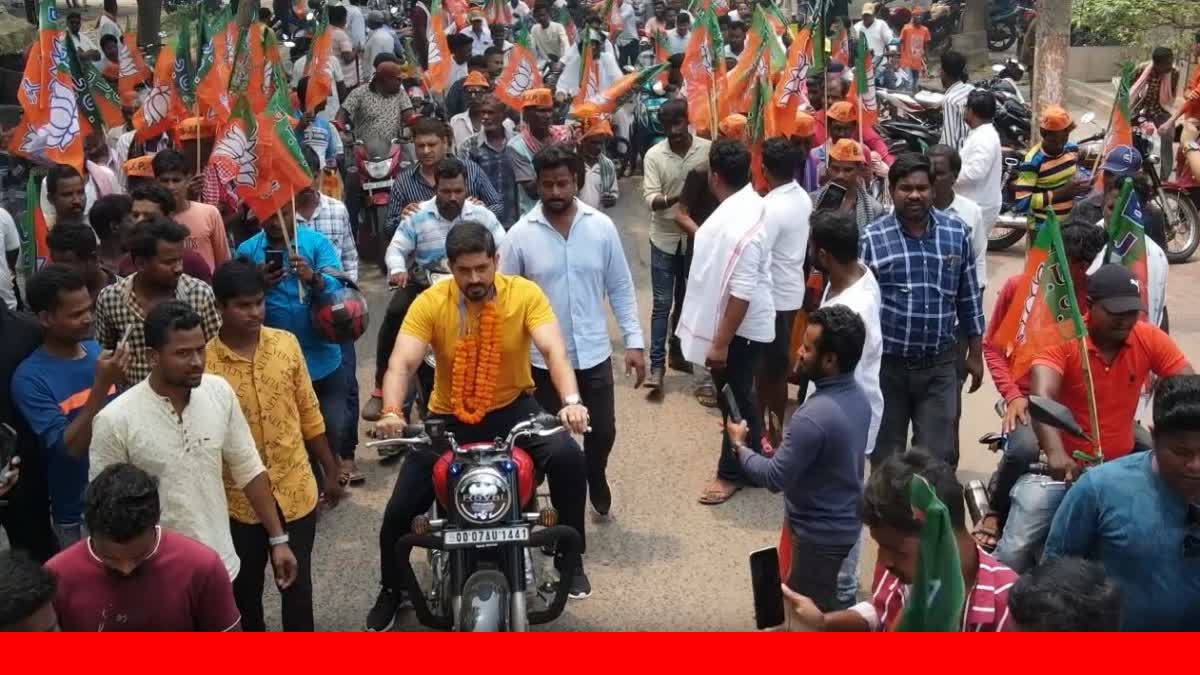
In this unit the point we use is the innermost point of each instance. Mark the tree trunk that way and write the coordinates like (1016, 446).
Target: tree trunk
(972, 42)
(1053, 44)
(149, 16)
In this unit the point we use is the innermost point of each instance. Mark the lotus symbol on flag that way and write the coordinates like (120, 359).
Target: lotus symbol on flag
(234, 156)
(154, 109)
(63, 124)
(125, 58)
(31, 91)
(521, 79)
(435, 51)
(796, 79)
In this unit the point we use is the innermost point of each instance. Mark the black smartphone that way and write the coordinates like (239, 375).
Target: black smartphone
(8, 445)
(832, 199)
(735, 413)
(768, 596)
(276, 258)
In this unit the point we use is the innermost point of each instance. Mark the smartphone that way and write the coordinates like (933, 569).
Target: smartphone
(768, 596)
(276, 258)
(832, 199)
(125, 336)
(735, 414)
(8, 445)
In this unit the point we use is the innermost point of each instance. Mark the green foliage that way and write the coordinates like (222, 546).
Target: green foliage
(1145, 23)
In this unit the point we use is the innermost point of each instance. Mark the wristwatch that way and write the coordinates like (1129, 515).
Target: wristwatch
(278, 541)
(573, 399)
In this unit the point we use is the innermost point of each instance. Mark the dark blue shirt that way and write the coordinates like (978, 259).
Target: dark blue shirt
(1123, 515)
(819, 466)
(49, 392)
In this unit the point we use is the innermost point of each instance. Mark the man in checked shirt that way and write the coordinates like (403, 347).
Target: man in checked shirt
(925, 265)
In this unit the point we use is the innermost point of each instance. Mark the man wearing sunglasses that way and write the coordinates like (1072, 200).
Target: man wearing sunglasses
(1140, 517)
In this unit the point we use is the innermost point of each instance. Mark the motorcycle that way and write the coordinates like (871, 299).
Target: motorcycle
(478, 534)
(911, 123)
(1004, 26)
(377, 174)
(1011, 226)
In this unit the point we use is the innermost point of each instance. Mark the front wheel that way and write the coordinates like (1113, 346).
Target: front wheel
(1002, 238)
(485, 603)
(1001, 36)
(1182, 225)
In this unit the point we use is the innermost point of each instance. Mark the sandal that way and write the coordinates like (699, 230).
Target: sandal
(718, 492)
(987, 532)
(706, 395)
(350, 475)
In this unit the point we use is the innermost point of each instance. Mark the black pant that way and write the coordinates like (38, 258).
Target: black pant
(596, 390)
(558, 456)
(923, 391)
(250, 543)
(815, 569)
(397, 309)
(738, 373)
(628, 53)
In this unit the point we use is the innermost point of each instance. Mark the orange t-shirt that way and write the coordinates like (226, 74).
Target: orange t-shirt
(1117, 385)
(913, 40)
(207, 232)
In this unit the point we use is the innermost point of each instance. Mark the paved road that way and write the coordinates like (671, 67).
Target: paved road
(666, 562)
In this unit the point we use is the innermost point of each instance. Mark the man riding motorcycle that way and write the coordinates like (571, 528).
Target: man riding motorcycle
(480, 327)
(1082, 243)
(1122, 351)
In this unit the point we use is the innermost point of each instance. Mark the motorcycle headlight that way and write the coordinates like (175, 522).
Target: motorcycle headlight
(482, 496)
(379, 170)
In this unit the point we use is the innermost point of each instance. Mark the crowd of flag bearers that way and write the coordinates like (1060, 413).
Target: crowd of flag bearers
(208, 205)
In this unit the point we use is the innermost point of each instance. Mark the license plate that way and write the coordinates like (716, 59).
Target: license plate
(374, 185)
(489, 537)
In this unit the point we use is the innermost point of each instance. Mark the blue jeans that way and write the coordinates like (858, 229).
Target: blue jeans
(847, 580)
(348, 433)
(668, 278)
(332, 392)
(1035, 498)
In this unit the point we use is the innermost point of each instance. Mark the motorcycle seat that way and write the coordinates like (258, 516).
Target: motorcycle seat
(991, 438)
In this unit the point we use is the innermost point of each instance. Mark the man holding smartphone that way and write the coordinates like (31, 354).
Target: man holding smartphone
(819, 467)
(844, 193)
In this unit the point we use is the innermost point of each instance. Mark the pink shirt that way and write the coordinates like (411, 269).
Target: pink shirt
(207, 232)
(181, 587)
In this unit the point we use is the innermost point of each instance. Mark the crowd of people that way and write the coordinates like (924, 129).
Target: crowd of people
(180, 416)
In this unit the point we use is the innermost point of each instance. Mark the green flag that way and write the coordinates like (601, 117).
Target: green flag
(935, 603)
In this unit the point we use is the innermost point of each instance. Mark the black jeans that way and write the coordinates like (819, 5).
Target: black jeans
(628, 53)
(738, 373)
(397, 309)
(596, 390)
(250, 543)
(558, 456)
(923, 391)
(815, 569)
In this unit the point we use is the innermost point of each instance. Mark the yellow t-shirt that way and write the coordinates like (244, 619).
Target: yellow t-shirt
(521, 307)
(278, 401)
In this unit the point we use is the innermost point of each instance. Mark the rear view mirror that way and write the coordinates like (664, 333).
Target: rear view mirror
(1054, 414)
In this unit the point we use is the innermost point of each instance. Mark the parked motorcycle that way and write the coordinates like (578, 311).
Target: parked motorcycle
(479, 535)
(1011, 226)
(910, 123)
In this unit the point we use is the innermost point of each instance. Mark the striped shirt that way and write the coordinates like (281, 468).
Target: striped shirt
(332, 220)
(422, 236)
(410, 188)
(985, 609)
(954, 107)
(1039, 176)
(929, 284)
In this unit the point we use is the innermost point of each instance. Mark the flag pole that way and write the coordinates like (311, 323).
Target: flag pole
(1091, 399)
(287, 242)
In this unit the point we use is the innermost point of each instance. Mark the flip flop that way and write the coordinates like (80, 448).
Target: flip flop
(706, 395)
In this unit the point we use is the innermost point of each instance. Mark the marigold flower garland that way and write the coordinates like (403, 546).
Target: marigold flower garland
(476, 368)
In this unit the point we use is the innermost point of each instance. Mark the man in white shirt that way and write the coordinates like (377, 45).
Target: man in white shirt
(677, 39)
(481, 37)
(877, 33)
(356, 26)
(549, 38)
(728, 316)
(954, 105)
(379, 41)
(788, 208)
(10, 245)
(834, 246)
(343, 46)
(627, 40)
(982, 174)
(85, 47)
(107, 25)
(946, 166)
(186, 428)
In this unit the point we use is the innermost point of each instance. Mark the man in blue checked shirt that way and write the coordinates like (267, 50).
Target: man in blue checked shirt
(305, 264)
(925, 265)
(573, 252)
(419, 243)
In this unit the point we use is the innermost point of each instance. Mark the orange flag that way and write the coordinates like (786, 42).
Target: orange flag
(439, 49)
(161, 108)
(49, 130)
(132, 69)
(319, 68)
(520, 74)
(605, 102)
(762, 51)
(790, 90)
(841, 46)
(216, 67)
(589, 76)
(704, 73)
